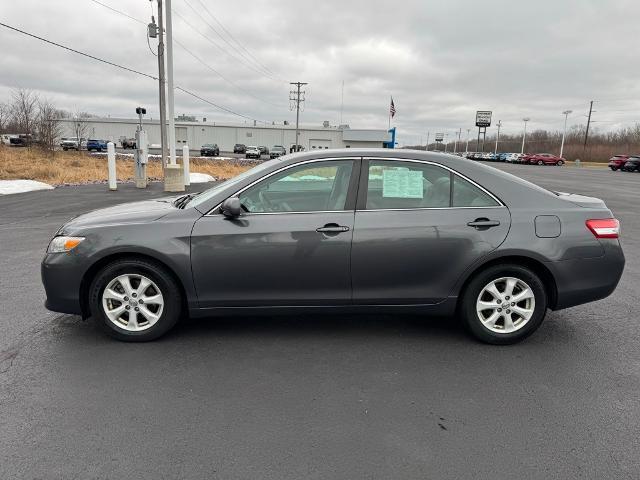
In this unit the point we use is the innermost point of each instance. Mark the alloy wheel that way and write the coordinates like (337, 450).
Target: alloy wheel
(132, 302)
(505, 305)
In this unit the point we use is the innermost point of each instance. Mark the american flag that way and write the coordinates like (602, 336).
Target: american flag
(392, 109)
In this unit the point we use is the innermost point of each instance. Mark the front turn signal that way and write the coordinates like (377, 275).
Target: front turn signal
(64, 244)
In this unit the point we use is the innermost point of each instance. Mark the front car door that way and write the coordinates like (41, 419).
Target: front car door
(418, 226)
(292, 245)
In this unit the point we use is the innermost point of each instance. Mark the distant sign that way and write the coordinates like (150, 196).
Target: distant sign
(439, 137)
(483, 119)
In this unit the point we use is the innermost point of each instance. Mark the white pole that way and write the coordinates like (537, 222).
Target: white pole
(185, 164)
(524, 136)
(499, 124)
(566, 114)
(466, 149)
(172, 125)
(111, 165)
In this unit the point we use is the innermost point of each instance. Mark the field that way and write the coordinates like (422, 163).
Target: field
(80, 167)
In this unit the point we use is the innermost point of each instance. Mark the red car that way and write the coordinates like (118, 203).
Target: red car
(524, 159)
(617, 162)
(545, 159)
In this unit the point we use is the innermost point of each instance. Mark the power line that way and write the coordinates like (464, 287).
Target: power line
(119, 11)
(78, 52)
(188, 92)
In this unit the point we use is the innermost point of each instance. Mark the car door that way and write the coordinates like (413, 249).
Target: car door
(292, 245)
(418, 226)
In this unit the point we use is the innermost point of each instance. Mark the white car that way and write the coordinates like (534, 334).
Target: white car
(252, 152)
(512, 157)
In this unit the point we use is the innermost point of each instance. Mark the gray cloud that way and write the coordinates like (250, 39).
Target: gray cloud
(441, 60)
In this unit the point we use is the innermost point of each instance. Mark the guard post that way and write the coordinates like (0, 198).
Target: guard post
(142, 151)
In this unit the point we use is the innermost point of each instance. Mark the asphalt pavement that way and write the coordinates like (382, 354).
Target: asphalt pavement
(343, 397)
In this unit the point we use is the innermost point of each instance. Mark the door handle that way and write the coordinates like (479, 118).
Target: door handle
(332, 228)
(483, 223)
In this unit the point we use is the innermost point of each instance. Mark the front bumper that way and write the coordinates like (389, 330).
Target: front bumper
(61, 276)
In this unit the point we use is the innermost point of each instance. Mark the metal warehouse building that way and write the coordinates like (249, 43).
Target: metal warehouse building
(195, 134)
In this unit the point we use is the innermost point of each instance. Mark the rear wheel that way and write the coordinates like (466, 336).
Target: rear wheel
(560, 163)
(504, 304)
(540, 162)
(613, 169)
(135, 300)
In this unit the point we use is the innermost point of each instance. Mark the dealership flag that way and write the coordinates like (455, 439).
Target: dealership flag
(392, 109)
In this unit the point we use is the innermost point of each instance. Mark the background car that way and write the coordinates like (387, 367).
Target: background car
(512, 157)
(97, 145)
(277, 151)
(210, 150)
(263, 150)
(292, 148)
(128, 143)
(632, 165)
(71, 143)
(239, 148)
(546, 159)
(617, 162)
(252, 152)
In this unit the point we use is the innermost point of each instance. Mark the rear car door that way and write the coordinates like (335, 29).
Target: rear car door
(292, 245)
(418, 226)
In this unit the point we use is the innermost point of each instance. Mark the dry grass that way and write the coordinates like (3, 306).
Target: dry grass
(80, 167)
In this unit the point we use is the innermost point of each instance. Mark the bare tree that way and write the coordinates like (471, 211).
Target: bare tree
(80, 126)
(49, 128)
(5, 115)
(24, 108)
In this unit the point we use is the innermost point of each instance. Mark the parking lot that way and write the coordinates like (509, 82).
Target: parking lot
(315, 397)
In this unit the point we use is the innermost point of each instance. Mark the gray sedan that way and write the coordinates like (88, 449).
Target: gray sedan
(343, 230)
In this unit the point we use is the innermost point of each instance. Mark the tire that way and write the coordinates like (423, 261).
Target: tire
(613, 169)
(540, 162)
(560, 163)
(65, 148)
(169, 294)
(521, 328)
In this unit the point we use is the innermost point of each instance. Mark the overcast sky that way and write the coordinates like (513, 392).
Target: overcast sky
(441, 60)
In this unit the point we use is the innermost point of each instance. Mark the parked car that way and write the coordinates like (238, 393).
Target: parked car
(6, 138)
(252, 152)
(97, 145)
(243, 245)
(22, 140)
(128, 143)
(632, 165)
(239, 148)
(277, 151)
(617, 162)
(292, 148)
(546, 159)
(488, 156)
(71, 143)
(512, 158)
(210, 150)
(263, 150)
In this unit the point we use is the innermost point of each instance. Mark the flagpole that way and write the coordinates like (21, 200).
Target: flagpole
(390, 100)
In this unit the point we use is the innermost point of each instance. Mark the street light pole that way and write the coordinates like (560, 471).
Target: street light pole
(163, 116)
(427, 147)
(466, 149)
(566, 114)
(499, 124)
(524, 136)
(172, 125)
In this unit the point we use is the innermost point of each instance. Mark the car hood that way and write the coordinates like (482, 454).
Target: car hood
(134, 212)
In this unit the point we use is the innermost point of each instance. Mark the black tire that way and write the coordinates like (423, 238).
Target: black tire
(470, 317)
(613, 169)
(540, 162)
(65, 148)
(560, 163)
(155, 272)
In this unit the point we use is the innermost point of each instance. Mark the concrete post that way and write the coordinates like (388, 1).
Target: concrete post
(111, 165)
(185, 165)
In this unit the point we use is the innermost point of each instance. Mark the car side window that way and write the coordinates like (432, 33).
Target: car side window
(394, 184)
(466, 194)
(318, 186)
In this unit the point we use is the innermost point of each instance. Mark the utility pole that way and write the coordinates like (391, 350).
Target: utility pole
(294, 96)
(586, 133)
(163, 116)
(524, 136)
(564, 132)
(467, 147)
(499, 124)
(172, 125)
(455, 145)
(427, 147)
(445, 142)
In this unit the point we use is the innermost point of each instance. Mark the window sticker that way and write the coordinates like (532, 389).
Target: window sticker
(402, 183)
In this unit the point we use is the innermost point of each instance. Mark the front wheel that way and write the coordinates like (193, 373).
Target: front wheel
(135, 300)
(504, 304)
(613, 169)
(560, 163)
(540, 162)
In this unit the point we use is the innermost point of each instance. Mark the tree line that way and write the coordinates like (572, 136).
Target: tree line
(37, 120)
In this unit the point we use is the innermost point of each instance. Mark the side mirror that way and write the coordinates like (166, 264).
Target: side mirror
(231, 207)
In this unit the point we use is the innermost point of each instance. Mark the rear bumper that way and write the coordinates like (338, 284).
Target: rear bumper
(586, 280)
(61, 278)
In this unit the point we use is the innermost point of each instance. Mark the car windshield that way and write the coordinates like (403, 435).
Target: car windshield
(207, 145)
(207, 194)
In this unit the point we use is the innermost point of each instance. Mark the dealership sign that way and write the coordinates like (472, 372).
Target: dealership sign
(439, 137)
(483, 119)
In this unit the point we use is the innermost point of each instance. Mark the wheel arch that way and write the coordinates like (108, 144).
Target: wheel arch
(535, 265)
(92, 271)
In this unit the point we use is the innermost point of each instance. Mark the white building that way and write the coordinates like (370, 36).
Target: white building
(196, 134)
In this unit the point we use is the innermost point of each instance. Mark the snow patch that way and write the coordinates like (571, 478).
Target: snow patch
(8, 187)
(195, 177)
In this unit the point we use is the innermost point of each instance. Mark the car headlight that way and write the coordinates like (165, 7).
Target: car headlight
(64, 244)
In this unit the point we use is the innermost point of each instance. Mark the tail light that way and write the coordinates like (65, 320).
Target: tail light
(604, 227)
